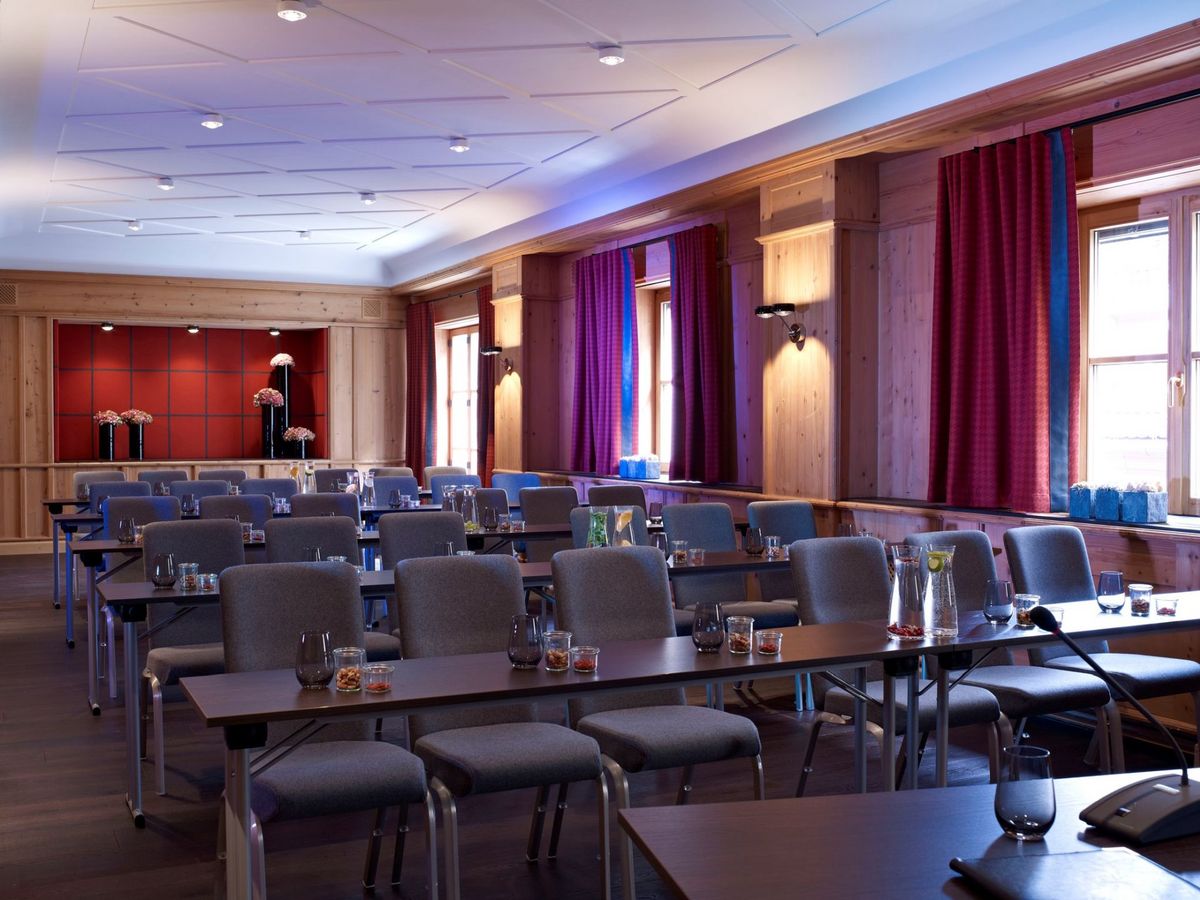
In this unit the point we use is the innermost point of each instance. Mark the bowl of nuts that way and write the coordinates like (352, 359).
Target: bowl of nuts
(348, 668)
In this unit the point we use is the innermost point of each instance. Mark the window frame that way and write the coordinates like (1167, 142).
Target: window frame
(444, 333)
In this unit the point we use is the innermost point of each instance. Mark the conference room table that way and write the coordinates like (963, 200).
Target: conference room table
(868, 845)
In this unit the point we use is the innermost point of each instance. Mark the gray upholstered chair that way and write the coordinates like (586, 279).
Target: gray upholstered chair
(438, 483)
(79, 479)
(99, 491)
(183, 642)
(491, 498)
(791, 520)
(846, 580)
(465, 604)
(143, 510)
(1022, 691)
(287, 540)
(264, 609)
(276, 488)
(710, 525)
(233, 476)
(163, 476)
(327, 480)
(416, 535)
(617, 495)
(404, 484)
(581, 517)
(253, 508)
(622, 594)
(512, 482)
(199, 489)
(547, 506)
(433, 471)
(328, 504)
(392, 472)
(1052, 562)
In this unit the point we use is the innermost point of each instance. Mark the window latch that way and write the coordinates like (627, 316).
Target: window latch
(1177, 390)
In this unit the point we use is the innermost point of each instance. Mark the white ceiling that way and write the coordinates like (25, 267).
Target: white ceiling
(100, 98)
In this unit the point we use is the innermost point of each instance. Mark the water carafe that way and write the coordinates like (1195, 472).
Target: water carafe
(906, 620)
(939, 591)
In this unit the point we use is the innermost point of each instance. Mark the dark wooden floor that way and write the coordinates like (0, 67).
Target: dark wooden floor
(64, 831)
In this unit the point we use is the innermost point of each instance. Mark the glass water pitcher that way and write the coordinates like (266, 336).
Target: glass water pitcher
(939, 591)
(906, 620)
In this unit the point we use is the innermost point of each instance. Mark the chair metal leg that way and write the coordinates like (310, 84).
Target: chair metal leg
(901, 759)
(560, 807)
(685, 786)
(621, 791)
(259, 863)
(431, 860)
(1104, 742)
(160, 740)
(921, 750)
(993, 734)
(806, 768)
(221, 833)
(401, 834)
(1116, 736)
(1196, 708)
(144, 687)
(449, 838)
(760, 783)
(374, 843)
(533, 848)
(602, 823)
(110, 665)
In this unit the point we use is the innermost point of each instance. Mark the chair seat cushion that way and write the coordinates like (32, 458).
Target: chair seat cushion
(380, 646)
(766, 614)
(1140, 674)
(322, 777)
(169, 664)
(968, 705)
(1038, 691)
(662, 737)
(488, 758)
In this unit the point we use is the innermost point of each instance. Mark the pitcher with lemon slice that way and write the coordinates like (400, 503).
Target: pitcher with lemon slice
(939, 591)
(623, 526)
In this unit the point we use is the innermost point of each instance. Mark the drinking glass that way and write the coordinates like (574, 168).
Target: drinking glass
(189, 576)
(1025, 793)
(448, 549)
(488, 518)
(394, 499)
(311, 554)
(314, 660)
(1140, 596)
(187, 504)
(503, 522)
(659, 541)
(773, 546)
(406, 501)
(846, 529)
(348, 663)
(753, 542)
(161, 489)
(679, 552)
(525, 644)
(695, 556)
(1111, 593)
(125, 531)
(998, 601)
(1024, 604)
(739, 630)
(162, 570)
(558, 651)
(708, 629)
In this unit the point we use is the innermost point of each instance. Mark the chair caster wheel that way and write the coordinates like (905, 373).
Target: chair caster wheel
(71, 645)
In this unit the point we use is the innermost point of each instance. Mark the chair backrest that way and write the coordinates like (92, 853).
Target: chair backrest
(385, 484)
(143, 510)
(328, 479)
(199, 488)
(433, 471)
(437, 483)
(614, 594)
(215, 545)
(458, 605)
(164, 476)
(512, 482)
(281, 488)
(335, 504)
(492, 498)
(707, 525)
(253, 508)
(581, 523)
(79, 479)
(1052, 562)
(392, 472)
(617, 495)
(102, 490)
(547, 506)
(233, 476)
(792, 520)
(334, 535)
(266, 607)
(415, 535)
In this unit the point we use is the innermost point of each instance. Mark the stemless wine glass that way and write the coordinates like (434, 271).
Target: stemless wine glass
(125, 531)
(394, 499)
(708, 628)
(162, 570)
(488, 518)
(311, 554)
(658, 540)
(525, 645)
(187, 504)
(998, 601)
(1025, 805)
(314, 660)
(1111, 593)
(753, 542)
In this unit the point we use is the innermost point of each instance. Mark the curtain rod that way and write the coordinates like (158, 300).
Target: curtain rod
(1141, 107)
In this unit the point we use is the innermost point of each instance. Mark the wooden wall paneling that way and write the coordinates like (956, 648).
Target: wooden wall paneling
(566, 374)
(11, 514)
(11, 380)
(858, 292)
(378, 418)
(797, 199)
(746, 366)
(1138, 146)
(510, 437)
(543, 390)
(340, 419)
(35, 483)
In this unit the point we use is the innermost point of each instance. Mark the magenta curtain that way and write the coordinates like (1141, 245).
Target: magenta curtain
(486, 413)
(1004, 423)
(420, 367)
(696, 349)
(604, 412)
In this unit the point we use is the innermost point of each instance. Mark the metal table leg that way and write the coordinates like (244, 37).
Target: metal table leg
(910, 727)
(93, 632)
(133, 725)
(239, 877)
(54, 545)
(70, 617)
(943, 723)
(888, 750)
(860, 733)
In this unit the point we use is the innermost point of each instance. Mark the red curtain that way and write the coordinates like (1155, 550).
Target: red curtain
(1005, 362)
(420, 366)
(487, 387)
(696, 351)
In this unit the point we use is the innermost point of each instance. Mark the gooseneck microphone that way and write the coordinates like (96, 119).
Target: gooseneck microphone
(1149, 810)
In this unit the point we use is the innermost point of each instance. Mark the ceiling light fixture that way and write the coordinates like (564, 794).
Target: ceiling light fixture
(367, 197)
(107, 326)
(611, 54)
(795, 331)
(304, 235)
(459, 145)
(273, 331)
(212, 120)
(166, 184)
(193, 329)
(133, 225)
(291, 11)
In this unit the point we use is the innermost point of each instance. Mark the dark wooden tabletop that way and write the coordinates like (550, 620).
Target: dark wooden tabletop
(861, 845)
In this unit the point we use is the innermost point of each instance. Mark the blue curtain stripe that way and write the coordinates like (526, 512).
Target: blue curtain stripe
(1060, 322)
(628, 387)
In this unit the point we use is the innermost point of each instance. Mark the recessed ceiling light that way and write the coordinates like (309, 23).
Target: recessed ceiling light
(212, 120)
(367, 197)
(193, 329)
(107, 326)
(611, 54)
(273, 331)
(291, 10)
(133, 225)
(459, 145)
(166, 184)
(304, 235)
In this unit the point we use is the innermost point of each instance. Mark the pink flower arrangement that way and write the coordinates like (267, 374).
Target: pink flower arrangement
(299, 433)
(268, 397)
(137, 417)
(282, 359)
(108, 417)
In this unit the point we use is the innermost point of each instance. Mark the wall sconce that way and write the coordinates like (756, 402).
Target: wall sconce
(795, 330)
(496, 350)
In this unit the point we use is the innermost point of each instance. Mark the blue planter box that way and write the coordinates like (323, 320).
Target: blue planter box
(646, 469)
(1143, 507)
(1083, 502)
(1108, 504)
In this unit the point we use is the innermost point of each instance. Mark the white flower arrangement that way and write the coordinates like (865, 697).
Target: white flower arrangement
(1145, 486)
(108, 417)
(137, 417)
(282, 359)
(267, 397)
(299, 433)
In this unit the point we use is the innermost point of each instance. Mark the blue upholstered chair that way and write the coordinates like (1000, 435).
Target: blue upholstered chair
(385, 484)
(99, 491)
(163, 476)
(253, 508)
(617, 495)
(276, 488)
(233, 476)
(437, 483)
(329, 504)
(327, 480)
(433, 471)
(199, 489)
(791, 520)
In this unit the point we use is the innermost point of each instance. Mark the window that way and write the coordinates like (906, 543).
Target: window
(665, 375)
(462, 398)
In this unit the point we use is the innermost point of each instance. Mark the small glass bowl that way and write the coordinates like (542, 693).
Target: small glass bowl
(1166, 606)
(768, 643)
(377, 678)
(585, 660)
(208, 582)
